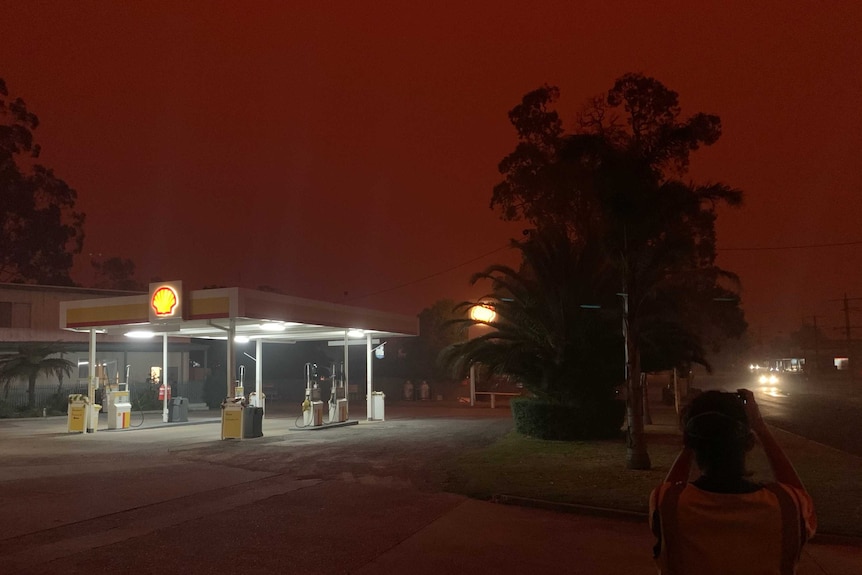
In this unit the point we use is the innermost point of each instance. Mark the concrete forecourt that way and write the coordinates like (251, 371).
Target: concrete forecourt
(171, 498)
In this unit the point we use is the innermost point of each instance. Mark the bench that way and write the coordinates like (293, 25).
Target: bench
(495, 394)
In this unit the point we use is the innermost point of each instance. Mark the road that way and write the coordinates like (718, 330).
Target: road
(829, 412)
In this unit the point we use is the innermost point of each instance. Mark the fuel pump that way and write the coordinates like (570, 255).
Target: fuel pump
(337, 396)
(312, 406)
(333, 393)
(119, 404)
(239, 390)
(306, 408)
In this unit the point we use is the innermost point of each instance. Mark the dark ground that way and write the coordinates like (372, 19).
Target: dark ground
(368, 498)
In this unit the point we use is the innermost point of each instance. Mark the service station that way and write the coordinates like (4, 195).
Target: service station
(235, 315)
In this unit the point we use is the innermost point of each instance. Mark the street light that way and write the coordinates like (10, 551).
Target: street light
(483, 313)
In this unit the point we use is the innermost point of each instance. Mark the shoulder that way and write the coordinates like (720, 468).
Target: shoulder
(664, 493)
(799, 497)
(801, 501)
(660, 492)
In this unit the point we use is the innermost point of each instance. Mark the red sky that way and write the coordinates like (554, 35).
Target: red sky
(331, 147)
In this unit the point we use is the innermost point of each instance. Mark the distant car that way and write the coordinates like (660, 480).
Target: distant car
(770, 378)
(776, 384)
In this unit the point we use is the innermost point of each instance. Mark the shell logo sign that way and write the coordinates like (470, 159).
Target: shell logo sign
(166, 301)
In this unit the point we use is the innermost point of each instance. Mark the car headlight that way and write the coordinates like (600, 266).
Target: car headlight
(763, 379)
(773, 379)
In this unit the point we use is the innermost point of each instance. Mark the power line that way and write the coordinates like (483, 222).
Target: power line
(492, 252)
(797, 247)
(433, 275)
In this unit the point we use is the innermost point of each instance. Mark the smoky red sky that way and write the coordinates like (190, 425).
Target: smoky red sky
(344, 151)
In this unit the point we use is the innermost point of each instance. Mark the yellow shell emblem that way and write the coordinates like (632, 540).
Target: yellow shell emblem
(164, 301)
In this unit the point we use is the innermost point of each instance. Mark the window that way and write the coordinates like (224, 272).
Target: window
(14, 314)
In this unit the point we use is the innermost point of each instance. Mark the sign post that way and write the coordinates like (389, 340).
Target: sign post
(166, 306)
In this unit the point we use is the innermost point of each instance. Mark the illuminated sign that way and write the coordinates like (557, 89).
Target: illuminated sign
(166, 301)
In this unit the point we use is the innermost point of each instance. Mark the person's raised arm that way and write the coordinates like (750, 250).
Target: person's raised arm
(782, 469)
(681, 468)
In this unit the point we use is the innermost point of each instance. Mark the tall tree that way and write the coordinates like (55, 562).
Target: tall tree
(616, 181)
(29, 363)
(40, 231)
(117, 273)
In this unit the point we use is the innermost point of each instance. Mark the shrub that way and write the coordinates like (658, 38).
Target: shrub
(6, 409)
(214, 388)
(566, 422)
(145, 399)
(57, 404)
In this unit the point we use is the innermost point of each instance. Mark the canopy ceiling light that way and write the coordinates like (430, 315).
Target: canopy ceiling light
(482, 313)
(272, 326)
(140, 334)
(356, 333)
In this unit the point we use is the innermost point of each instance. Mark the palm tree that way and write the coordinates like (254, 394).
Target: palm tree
(31, 361)
(552, 331)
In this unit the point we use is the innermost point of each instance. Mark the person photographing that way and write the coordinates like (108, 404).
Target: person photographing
(722, 522)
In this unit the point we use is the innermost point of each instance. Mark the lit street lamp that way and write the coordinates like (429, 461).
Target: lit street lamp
(483, 313)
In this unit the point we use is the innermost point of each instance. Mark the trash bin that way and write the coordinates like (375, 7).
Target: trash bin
(93, 422)
(252, 422)
(377, 398)
(76, 420)
(232, 410)
(257, 400)
(179, 410)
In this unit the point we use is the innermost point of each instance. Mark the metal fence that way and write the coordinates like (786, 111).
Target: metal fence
(46, 395)
(17, 397)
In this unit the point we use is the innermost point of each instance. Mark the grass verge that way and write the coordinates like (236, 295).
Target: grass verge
(593, 473)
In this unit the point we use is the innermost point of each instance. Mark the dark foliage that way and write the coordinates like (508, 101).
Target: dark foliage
(616, 183)
(567, 422)
(215, 388)
(557, 328)
(31, 361)
(40, 231)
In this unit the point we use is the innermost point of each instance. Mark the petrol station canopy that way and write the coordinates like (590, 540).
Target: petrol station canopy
(216, 313)
(230, 314)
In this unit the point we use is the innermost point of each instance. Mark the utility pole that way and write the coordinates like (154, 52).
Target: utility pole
(851, 362)
(814, 368)
(816, 349)
(848, 334)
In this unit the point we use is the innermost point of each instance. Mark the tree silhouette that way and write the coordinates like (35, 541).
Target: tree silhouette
(615, 182)
(30, 362)
(118, 274)
(40, 231)
(556, 329)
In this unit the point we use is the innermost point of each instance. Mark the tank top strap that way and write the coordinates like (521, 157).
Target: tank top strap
(792, 527)
(668, 505)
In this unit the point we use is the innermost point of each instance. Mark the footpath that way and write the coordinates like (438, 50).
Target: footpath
(178, 500)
